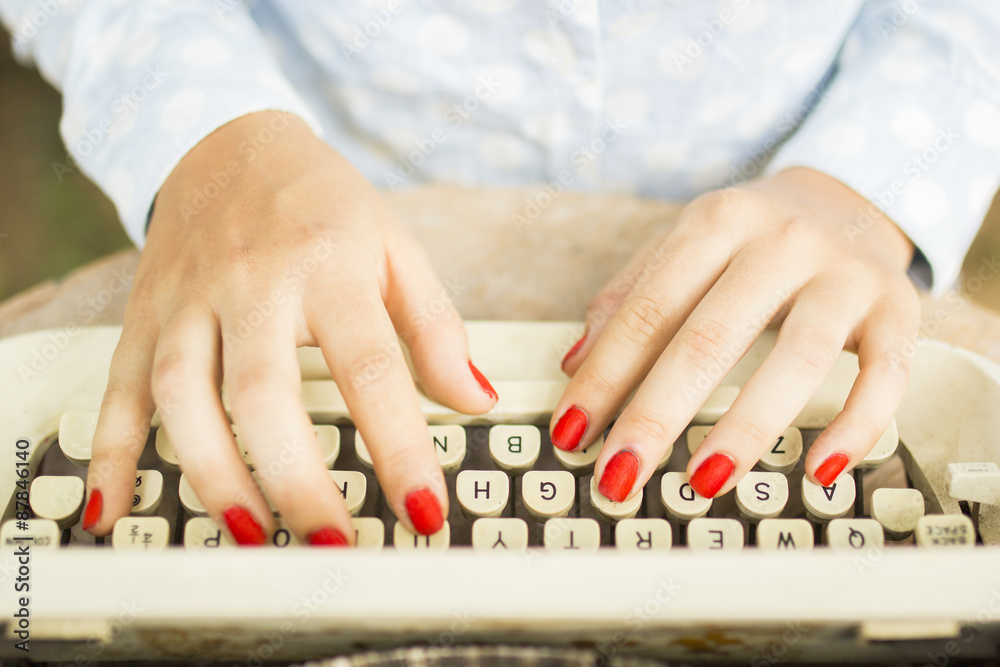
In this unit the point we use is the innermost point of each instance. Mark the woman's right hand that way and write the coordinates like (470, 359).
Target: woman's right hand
(264, 239)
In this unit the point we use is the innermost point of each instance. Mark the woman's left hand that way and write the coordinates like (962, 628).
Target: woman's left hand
(798, 247)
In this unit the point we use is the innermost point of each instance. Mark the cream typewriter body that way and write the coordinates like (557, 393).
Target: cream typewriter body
(907, 571)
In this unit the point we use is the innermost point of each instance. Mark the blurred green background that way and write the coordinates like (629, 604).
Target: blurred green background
(47, 227)
(51, 223)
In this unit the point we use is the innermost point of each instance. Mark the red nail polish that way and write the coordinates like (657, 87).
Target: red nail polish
(619, 476)
(425, 511)
(829, 470)
(573, 350)
(570, 429)
(712, 474)
(243, 527)
(484, 384)
(93, 512)
(327, 537)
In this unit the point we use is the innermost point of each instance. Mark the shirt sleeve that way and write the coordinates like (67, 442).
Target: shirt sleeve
(143, 82)
(910, 119)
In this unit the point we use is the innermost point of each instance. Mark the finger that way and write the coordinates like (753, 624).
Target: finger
(423, 312)
(716, 335)
(884, 356)
(607, 302)
(631, 342)
(806, 348)
(186, 378)
(362, 350)
(263, 384)
(122, 428)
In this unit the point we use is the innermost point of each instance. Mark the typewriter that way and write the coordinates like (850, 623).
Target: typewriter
(898, 561)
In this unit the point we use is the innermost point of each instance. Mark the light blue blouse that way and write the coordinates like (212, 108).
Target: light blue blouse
(899, 100)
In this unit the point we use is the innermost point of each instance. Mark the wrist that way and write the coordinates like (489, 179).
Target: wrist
(238, 144)
(864, 223)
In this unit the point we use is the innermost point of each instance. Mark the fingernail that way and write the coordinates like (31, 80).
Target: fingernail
(484, 384)
(829, 470)
(327, 537)
(243, 527)
(93, 512)
(569, 429)
(619, 476)
(712, 474)
(573, 350)
(425, 511)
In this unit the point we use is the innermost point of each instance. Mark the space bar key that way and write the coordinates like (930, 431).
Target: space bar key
(526, 401)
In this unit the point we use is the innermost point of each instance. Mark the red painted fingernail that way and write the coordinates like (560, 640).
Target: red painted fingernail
(573, 350)
(712, 474)
(327, 537)
(425, 511)
(829, 470)
(619, 476)
(244, 528)
(569, 429)
(484, 384)
(93, 512)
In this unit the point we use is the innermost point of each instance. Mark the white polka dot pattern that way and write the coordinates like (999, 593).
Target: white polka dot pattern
(982, 123)
(843, 139)
(913, 127)
(444, 35)
(183, 110)
(207, 52)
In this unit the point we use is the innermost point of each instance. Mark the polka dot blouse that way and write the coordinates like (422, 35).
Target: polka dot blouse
(899, 100)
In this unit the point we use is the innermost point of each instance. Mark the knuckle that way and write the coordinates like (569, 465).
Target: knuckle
(799, 235)
(600, 389)
(869, 431)
(812, 347)
(256, 387)
(107, 467)
(604, 305)
(643, 320)
(396, 458)
(855, 275)
(721, 207)
(650, 426)
(641, 274)
(140, 317)
(370, 370)
(294, 495)
(894, 366)
(408, 465)
(704, 342)
(121, 395)
(172, 375)
(750, 432)
(437, 315)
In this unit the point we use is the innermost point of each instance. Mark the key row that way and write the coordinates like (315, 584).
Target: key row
(545, 495)
(528, 402)
(565, 534)
(548, 494)
(514, 448)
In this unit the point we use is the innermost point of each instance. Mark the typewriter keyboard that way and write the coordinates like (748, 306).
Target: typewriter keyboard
(510, 489)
